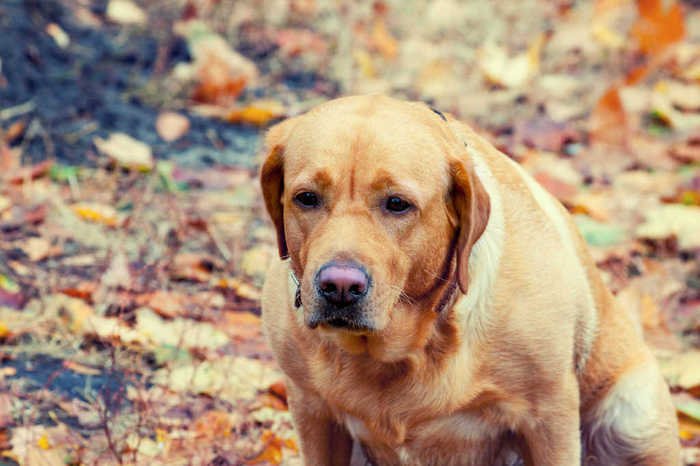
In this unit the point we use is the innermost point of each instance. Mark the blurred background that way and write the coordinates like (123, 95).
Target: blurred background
(133, 239)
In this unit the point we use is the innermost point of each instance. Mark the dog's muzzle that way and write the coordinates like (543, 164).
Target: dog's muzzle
(341, 288)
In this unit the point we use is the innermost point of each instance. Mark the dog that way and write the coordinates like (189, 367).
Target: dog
(434, 305)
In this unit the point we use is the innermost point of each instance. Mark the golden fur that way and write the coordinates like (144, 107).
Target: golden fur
(493, 338)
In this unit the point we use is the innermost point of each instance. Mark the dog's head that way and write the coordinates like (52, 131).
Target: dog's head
(378, 208)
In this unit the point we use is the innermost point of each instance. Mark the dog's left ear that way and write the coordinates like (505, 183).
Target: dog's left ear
(272, 179)
(472, 206)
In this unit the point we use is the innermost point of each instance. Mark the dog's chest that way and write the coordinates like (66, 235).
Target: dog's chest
(458, 439)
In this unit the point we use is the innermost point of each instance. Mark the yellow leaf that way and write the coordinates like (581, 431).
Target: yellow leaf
(364, 61)
(43, 442)
(94, 212)
(258, 113)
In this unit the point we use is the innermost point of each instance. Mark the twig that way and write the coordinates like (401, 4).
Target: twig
(17, 110)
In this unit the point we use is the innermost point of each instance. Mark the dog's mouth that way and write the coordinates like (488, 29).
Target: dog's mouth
(347, 322)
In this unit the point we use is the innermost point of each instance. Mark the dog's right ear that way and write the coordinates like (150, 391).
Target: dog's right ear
(272, 179)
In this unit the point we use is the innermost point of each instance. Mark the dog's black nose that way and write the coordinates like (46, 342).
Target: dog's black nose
(342, 284)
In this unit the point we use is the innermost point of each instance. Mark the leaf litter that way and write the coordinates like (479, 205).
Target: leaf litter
(133, 241)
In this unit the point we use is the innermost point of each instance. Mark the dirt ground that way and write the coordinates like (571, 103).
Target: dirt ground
(133, 239)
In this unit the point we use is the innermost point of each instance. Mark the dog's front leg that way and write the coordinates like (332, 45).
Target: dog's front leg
(555, 438)
(323, 441)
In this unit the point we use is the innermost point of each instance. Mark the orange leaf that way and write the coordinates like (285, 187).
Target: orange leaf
(213, 424)
(383, 41)
(608, 121)
(657, 28)
(272, 452)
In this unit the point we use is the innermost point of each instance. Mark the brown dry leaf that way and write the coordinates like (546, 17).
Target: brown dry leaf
(608, 121)
(82, 290)
(688, 427)
(687, 151)
(213, 424)
(165, 303)
(5, 409)
(14, 131)
(172, 126)
(10, 158)
(216, 83)
(295, 42)
(657, 26)
(242, 325)
(81, 368)
(242, 289)
(279, 389)
(192, 266)
(25, 173)
(269, 400)
(383, 41)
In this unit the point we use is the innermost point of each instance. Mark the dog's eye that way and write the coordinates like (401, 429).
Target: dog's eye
(307, 199)
(397, 205)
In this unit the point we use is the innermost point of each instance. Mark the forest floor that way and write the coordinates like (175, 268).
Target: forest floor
(134, 242)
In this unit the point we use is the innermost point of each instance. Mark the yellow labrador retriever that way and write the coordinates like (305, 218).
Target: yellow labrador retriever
(439, 307)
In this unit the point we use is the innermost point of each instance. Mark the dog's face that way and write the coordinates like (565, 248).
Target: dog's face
(377, 215)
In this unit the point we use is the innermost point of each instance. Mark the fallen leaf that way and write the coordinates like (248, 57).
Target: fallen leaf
(96, 212)
(690, 408)
(125, 12)
(688, 426)
(666, 220)
(195, 267)
(117, 274)
(258, 113)
(14, 131)
(682, 370)
(83, 290)
(77, 313)
(687, 151)
(221, 72)
(27, 173)
(242, 289)
(657, 27)
(213, 424)
(298, 41)
(243, 325)
(36, 248)
(272, 453)
(126, 151)
(165, 303)
(510, 72)
(58, 35)
(172, 126)
(279, 389)
(5, 411)
(80, 368)
(383, 41)
(608, 121)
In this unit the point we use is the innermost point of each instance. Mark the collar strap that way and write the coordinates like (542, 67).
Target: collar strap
(297, 295)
